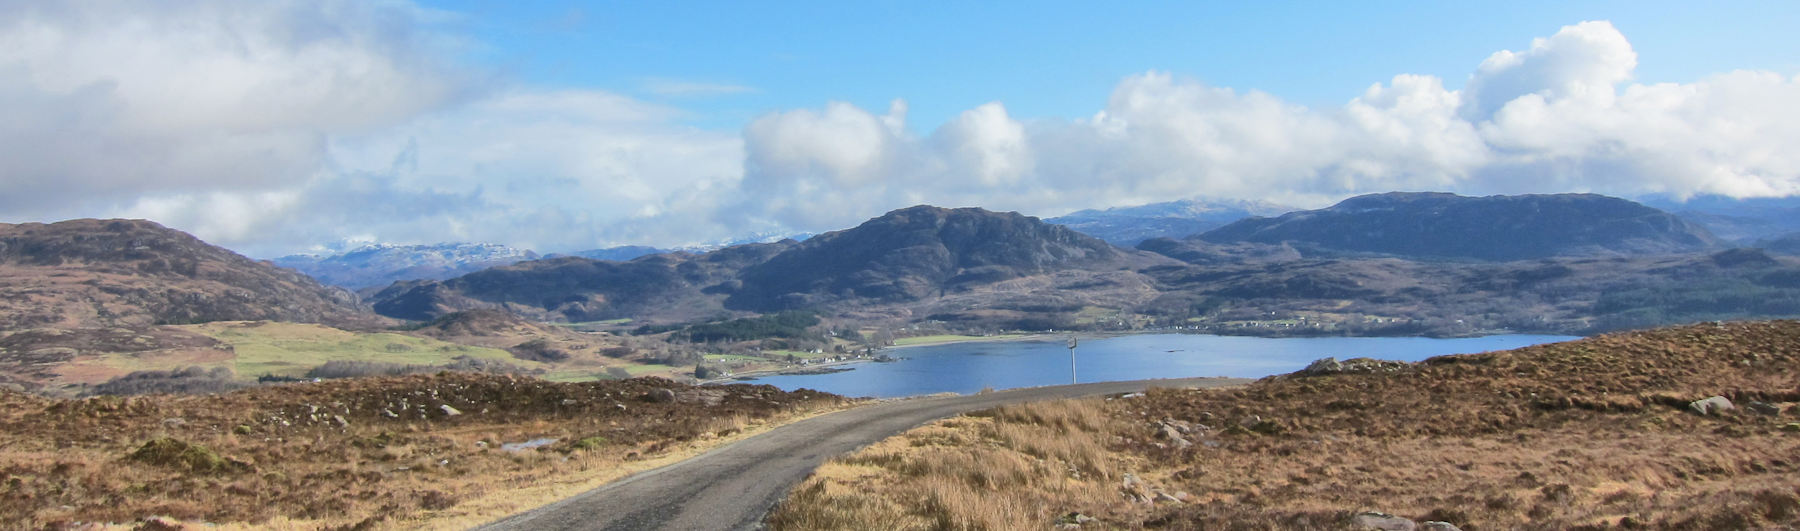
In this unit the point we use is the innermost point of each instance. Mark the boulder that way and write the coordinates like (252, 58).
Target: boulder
(1763, 408)
(660, 396)
(1439, 526)
(449, 411)
(1173, 435)
(1383, 521)
(1716, 405)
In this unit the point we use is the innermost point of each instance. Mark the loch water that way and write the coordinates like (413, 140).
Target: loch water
(970, 367)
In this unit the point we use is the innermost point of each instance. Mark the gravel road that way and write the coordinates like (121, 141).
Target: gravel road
(733, 487)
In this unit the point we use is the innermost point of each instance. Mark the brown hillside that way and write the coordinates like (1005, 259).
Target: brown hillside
(377, 451)
(1595, 433)
(102, 273)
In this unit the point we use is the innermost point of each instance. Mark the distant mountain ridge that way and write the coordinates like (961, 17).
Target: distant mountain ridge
(378, 265)
(1495, 228)
(914, 253)
(1739, 221)
(97, 273)
(906, 255)
(617, 254)
(1128, 226)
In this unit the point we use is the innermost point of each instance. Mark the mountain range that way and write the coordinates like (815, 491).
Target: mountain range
(1385, 263)
(379, 265)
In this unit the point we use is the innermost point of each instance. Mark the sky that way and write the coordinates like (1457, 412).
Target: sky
(278, 127)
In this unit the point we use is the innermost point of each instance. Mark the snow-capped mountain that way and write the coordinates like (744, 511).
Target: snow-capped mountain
(380, 264)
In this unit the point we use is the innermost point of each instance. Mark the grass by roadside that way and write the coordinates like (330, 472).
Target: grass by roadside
(1587, 434)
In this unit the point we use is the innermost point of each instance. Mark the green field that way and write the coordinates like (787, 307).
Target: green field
(290, 349)
(608, 322)
(783, 354)
(950, 338)
(647, 368)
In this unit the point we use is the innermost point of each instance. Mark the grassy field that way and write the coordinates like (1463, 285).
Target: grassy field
(783, 354)
(290, 349)
(951, 338)
(1589, 434)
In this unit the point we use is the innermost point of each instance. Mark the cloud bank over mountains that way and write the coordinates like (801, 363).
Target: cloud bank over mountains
(275, 127)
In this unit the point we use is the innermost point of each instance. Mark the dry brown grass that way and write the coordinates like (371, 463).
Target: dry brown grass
(995, 470)
(280, 457)
(1588, 434)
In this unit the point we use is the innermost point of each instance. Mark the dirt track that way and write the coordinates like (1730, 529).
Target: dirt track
(733, 487)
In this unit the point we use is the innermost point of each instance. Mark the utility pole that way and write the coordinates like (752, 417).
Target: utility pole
(1072, 343)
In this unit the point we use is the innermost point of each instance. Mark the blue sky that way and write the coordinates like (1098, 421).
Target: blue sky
(281, 126)
(1061, 59)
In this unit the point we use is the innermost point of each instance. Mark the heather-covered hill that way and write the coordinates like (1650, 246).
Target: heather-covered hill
(89, 273)
(447, 450)
(1597, 433)
(918, 253)
(1496, 228)
(674, 286)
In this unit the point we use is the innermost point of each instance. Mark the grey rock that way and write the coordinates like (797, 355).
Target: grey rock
(1763, 408)
(1716, 405)
(174, 422)
(449, 411)
(660, 396)
(1383, 521)
(1166, 498)
(1439, 526)
(1324, 366)
(1173, 435)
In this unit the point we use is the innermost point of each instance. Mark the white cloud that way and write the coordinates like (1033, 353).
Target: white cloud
(279, 126)
(1559, 116)
(107, 101)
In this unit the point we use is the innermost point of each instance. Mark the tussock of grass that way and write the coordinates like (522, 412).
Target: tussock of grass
(996, 469)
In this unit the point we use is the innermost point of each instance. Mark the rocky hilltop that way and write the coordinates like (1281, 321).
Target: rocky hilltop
(1494, 228)
(915, 253)
(98, 273)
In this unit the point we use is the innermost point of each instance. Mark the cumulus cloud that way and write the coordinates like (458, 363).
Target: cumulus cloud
(277, 126)
(110, 100)
(1559, 116)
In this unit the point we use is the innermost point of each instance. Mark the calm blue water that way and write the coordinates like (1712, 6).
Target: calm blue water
(969, 367)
